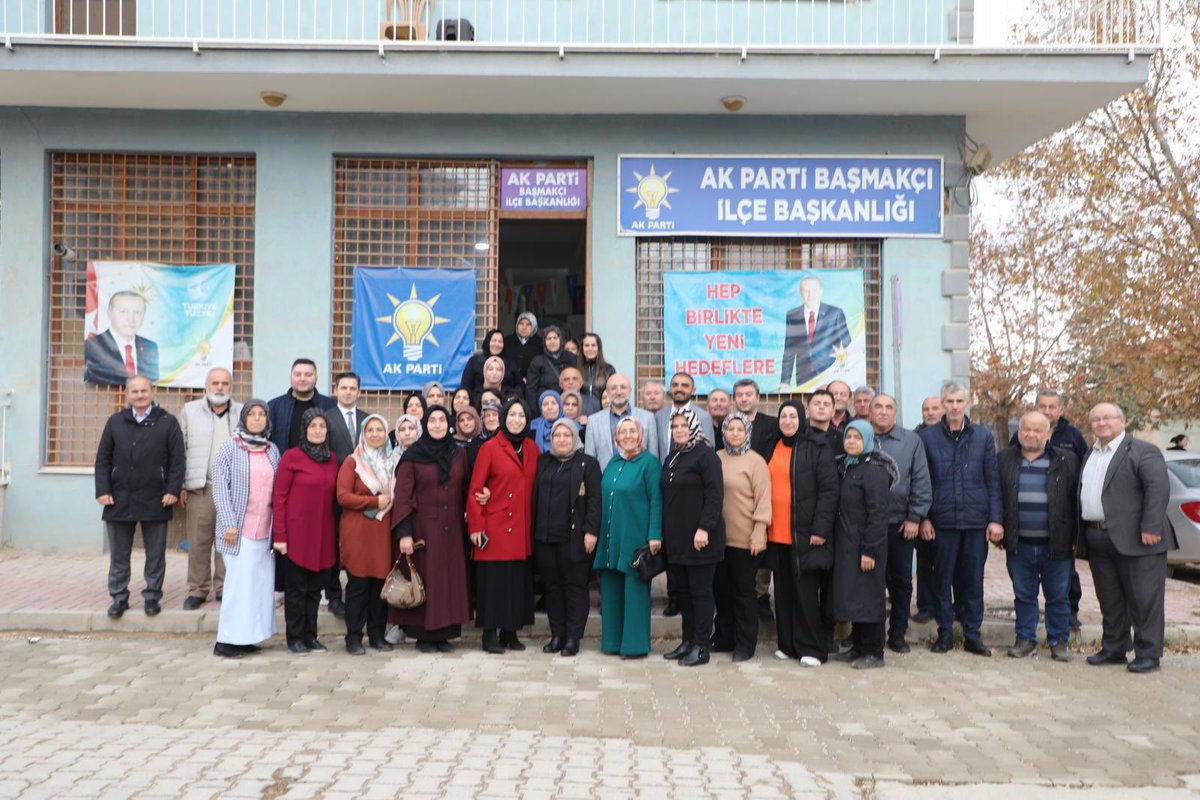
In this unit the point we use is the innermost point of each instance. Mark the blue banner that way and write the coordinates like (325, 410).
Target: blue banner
(790, 331)
(779, 196)
(412, 326)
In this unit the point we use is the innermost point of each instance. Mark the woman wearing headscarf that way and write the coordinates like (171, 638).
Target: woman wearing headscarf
(693, 494)
(303, 519)
(491, 345)
(467, 426)
(572, 409)
(243, 475)
(566, 519)
(631, 505)
(523, 344)
(550, 406)
(431, 487)
(861, 544)
(544, 369)
(493, 377)
(406, 432)
(747, 513)
(489, 422)
(366, 483)
(500, 532)
(434, 394)
(804, 497)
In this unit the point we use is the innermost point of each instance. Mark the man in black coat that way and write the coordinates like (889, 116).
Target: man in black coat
(815, 335)
(140, 465)
(1123, 496)
(1041, 523)
(113, 357)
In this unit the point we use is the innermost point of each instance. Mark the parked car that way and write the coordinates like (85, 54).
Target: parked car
(1183, 512)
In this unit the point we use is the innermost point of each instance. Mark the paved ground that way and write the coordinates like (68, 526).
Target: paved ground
(124, 716)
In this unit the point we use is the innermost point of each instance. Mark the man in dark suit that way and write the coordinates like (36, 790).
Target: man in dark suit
(1123, 496)
(116, 355)
(815, 333)
(345, 419)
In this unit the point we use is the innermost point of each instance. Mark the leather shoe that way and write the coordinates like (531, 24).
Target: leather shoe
(297, 649)
(848, 656)
(1143, 665)
(978, 648)
(117, 609)
(355, 648)
(426, 647)
(337, 607)
(679, 652)
(942, 646)
(382, 646)
(1059, 652)
(1103, 658)
(1022, 648)
(696, 656)
(898, 646)
(570, 648)
(739, 657)
(315, 647)
(922, 617)
(555, 645)
(509, 639)
(671, 609)
(152, 608)
(870, 661)
(227, 651)
(491, 643)
(192, 603)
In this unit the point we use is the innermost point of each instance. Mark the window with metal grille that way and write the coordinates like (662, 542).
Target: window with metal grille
(392, 212)
(171, 209)
(656, 256)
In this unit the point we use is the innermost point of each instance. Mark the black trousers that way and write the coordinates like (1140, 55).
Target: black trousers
(565, 587)
(120, 548)
(1132, 592)
(867, 638)
(799, 621)
(1075, 593)
(333, 577)
(364, 606)
(301, 597)
(736, 626)
(696, 602)
(899, 578)
(926, 602)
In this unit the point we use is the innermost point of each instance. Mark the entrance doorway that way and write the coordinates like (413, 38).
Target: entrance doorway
(543, 269)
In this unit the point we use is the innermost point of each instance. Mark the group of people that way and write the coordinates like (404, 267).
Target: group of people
(501, 489)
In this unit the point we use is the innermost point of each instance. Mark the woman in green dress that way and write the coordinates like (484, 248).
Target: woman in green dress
(631, 518)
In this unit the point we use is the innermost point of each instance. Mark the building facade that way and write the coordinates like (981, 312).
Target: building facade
(301, 140)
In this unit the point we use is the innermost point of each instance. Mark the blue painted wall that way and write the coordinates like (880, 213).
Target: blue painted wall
(294, 238)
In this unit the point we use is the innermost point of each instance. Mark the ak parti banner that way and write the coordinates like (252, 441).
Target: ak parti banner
(789, 331)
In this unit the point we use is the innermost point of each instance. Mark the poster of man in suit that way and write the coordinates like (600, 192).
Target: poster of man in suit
(816, 337)
(168, 323)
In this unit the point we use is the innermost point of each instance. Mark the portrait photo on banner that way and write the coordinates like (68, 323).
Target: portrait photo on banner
(169, 323)
(791, 331)
(412, 325)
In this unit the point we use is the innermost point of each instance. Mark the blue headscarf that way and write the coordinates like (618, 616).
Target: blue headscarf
(541, 426)
(868, 436)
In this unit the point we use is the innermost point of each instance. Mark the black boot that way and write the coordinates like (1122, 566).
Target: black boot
(491, 644)
(554, 645)
(509, 639)
(697, 656)
(570, 648)
(682, 650)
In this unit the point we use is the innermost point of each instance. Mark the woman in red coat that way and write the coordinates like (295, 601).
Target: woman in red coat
(431, 488)
(365, 487)
(500, 532)
(302, 519)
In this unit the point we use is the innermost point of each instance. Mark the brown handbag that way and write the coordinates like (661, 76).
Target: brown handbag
(400, 591)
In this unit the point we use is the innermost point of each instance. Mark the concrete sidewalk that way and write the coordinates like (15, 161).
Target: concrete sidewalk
(66, 592)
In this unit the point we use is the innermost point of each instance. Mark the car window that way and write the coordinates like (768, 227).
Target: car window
(1187, 471)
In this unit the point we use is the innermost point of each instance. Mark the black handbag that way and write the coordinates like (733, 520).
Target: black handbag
(815, 559)
(648, 564)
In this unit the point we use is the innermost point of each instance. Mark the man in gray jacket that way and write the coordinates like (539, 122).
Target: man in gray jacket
(907, 506)
(601, 424)
(1123, 496)
(206, 424)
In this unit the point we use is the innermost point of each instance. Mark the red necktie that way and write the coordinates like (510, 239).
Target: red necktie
(131, 371)
(812, 326)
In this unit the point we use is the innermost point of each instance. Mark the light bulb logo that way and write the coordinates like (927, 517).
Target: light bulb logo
(412, 322)
(652, 192)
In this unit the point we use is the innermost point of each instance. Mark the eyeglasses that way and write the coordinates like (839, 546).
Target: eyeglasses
(1108, 418)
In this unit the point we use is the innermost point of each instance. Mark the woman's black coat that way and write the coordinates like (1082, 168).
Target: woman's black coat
(862, 530)
(585, 493)
(814, 492)
(543, 375)
(693, 491)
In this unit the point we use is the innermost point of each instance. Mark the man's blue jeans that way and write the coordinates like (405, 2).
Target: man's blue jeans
(1031, 567)
(958, 575)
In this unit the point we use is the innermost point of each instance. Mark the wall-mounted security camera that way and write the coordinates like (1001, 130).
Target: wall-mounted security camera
(63, 251)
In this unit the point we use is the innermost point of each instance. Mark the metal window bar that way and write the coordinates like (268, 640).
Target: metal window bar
(656, 256)
(412, 213)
